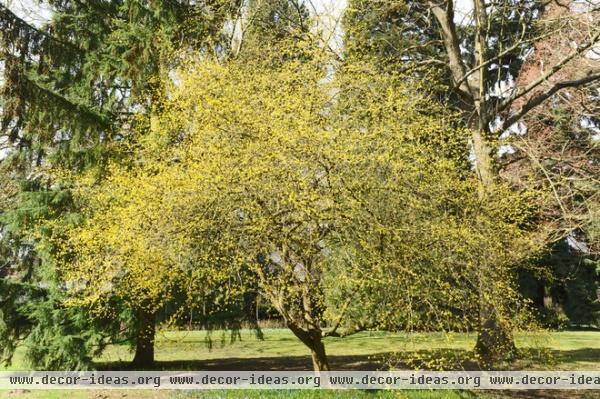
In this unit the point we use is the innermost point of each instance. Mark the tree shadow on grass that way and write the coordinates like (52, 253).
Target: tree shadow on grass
(294, 363)
(454, 359)
(578, 355)
(438, 359)
(446, 359)
(545, 358)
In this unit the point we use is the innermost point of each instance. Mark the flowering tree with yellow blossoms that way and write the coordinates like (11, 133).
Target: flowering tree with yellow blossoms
(345, 199)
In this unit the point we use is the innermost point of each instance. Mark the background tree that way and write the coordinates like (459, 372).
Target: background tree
(272, 27)
(484, 48)
(565, 288)
(71, 88)
(396, 36)
(560, 153)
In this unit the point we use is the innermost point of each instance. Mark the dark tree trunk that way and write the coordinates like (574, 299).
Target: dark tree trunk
(319, 357)
(495, 340)
(144, 348)
(314, 341)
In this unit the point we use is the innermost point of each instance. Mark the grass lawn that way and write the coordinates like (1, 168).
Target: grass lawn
(280, 350)
(243, 395)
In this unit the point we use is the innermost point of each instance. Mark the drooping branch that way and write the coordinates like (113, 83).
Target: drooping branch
(346, 333)
(18, 34)
(20, 90)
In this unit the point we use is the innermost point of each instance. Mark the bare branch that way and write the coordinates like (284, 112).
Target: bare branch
(555, 68)
(445, 18)
(539, 99)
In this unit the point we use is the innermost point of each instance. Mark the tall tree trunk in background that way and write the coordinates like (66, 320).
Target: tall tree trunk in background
(495, 339)
(480, 50)
(144, 348)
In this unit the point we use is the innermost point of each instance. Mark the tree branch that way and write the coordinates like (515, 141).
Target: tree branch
(354, 330)
(557, 67)
(448, 30)
(539, 99)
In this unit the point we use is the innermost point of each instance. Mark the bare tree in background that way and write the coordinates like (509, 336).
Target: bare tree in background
(561, 150)
(500, 33)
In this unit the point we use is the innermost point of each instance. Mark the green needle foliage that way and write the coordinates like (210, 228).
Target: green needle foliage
(71, 89)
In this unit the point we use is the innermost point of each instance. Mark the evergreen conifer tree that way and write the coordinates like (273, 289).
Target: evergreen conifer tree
(71, 90)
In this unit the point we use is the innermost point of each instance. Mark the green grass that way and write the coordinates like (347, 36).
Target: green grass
(280, 350)
(181, 349)
(242, 394)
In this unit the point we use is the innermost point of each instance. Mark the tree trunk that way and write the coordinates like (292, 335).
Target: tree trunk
(484, 164)
(314, 341)
(495, 339)
(493, 335)
(319, 357)
(144, 348)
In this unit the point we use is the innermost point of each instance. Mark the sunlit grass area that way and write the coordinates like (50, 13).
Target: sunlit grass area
(280, 350)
